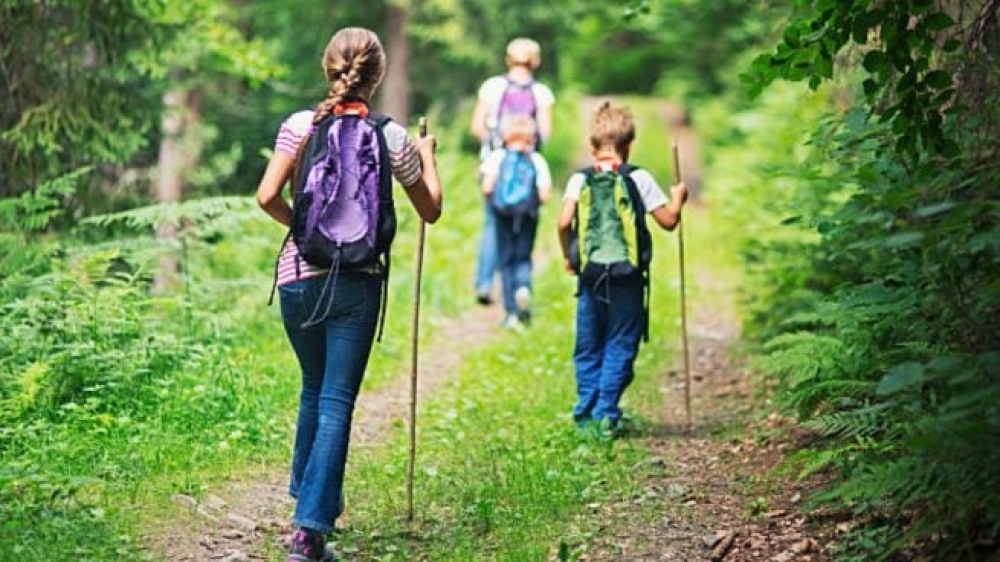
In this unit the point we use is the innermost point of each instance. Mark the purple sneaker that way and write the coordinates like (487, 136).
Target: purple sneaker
(308, 546)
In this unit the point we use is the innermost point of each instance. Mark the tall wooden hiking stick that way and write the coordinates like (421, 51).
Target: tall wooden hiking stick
(684, 324)
(415, 338)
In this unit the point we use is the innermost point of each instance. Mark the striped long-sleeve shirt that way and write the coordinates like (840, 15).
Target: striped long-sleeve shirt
(403, 160)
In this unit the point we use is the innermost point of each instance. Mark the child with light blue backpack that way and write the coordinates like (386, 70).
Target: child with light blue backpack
(516, 182)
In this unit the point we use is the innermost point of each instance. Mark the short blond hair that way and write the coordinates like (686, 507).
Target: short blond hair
(612, 127)
(524, 51)
(519, 127)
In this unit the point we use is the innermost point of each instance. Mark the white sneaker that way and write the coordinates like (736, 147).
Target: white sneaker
(511, 322)
(522, 296)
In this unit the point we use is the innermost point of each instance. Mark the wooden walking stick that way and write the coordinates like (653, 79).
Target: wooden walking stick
(415, 338)
(684, 329)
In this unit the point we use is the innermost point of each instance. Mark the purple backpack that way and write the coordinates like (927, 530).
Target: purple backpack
(517, 99)
(343, 215)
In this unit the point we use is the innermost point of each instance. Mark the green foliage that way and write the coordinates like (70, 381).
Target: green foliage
(889, 352)
(910, 53)
(200, 213)
(70, 97)
(34, 211)
(663, 45)
(103, 385)
(114, 396)
(86, 90)
(25, 250)
(95, 96)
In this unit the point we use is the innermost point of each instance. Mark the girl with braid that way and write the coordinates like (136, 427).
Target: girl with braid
(333, 352)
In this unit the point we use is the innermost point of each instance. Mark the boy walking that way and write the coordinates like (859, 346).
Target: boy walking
(605, 243)
(516, 181)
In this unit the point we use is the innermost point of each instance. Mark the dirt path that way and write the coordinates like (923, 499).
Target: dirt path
(232, 524)
(709, 489)
(714, 494)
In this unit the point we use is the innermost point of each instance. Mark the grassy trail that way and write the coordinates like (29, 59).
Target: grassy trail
(502, 473)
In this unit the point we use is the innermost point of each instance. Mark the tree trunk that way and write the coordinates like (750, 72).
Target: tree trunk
(396, 87)
(169, 180)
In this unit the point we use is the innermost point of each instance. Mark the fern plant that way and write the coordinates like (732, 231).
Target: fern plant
(893, 357)
(24, 248)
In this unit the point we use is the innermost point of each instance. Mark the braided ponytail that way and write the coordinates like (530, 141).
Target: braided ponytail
(354, 64)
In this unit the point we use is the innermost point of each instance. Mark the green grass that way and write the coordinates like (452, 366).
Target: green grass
(83, 478)
(503, 473)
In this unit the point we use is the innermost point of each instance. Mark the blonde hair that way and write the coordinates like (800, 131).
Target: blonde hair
(519, 127)
(354, 64)
(612, 127)
(524, 51)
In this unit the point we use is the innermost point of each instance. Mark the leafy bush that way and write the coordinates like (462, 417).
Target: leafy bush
(892, 354)
(105, 382)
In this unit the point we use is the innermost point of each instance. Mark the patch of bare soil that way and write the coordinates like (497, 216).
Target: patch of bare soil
(716, 498)
(233, 524)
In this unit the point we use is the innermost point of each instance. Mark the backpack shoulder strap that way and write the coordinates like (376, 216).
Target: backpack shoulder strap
(513, 84)
(529, 85)
(626, 171)
(379, 120)
(307, 150)
(644, 237)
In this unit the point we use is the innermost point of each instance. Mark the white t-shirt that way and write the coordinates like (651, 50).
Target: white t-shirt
(649, 191)
(493, 89)
(543, 180)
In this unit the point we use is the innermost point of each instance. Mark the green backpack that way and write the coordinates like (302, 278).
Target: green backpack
(609, 236)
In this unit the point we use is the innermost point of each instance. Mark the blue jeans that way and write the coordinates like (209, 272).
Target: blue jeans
(487, 260)
(515, 240)
(609, 324)
(333, 355)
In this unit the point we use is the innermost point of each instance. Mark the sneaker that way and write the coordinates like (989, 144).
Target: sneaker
(484, 297)
(522, 296)
(511, 322)
(308, 546)
(524, 317)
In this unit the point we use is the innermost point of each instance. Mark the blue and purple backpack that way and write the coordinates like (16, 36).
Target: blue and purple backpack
(343, 215)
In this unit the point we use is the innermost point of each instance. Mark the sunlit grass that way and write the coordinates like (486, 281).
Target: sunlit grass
(502, 471)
